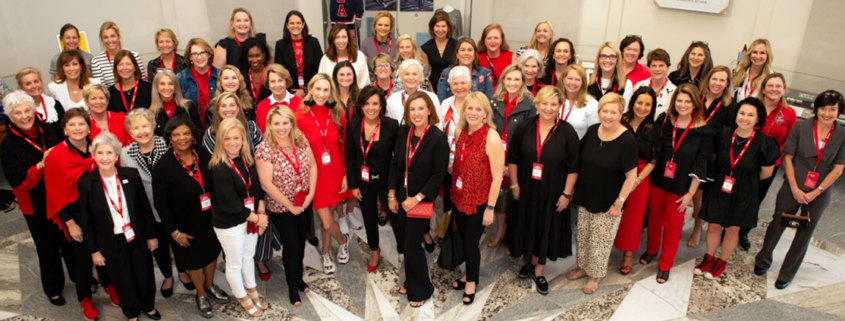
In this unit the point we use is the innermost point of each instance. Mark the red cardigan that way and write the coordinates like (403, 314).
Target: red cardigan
(116, 127)
(264, 108)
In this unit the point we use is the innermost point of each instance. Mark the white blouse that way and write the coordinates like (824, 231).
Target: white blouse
(581, 118)
(362, 71)
(118, 220)
(60, 93)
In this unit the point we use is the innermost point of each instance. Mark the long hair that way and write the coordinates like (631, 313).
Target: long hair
(351, 47)
(408, 37)
(230, 31)
(286, 34)
(125, 54)
(155, 97)
(704, 87)
(706, 66)
(550, 56)
(741, 69)
(219, 155)
(482, 100)
(534, 42)
(331, 104)
(67, 57)
(353, 88)
(581, 96)
(493, 26)
(629, 115)
(618, 75)
(218, 100)
(692, 92)
(466, 40)
(295, 133)
(500, 87)
(433, 119)
(242, 92)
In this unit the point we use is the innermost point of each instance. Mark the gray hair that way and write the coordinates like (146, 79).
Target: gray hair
(16, 99)
(460, 71)
(108, 139)
(532, 53)
(139, 113)
(408, 63)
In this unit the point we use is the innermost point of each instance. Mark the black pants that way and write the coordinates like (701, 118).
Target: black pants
(765, 185)
(417, 280)
(132, 272)
(470, 226)
(51, 247)
(447, 193)
(83, 278)
(162, 253)
(377, 191)
(293, 230)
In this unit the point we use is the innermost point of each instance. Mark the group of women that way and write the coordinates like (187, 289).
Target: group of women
(525, 139)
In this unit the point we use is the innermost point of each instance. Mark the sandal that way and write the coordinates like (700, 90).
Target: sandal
(418, 303)
(303, 287)
(256, 299)
(646, 258)
(403, 290)
(471, 298)
(662, 277)
(626, 269)
(458, 284)
(591, 287)
(577, 274)
(249, 307)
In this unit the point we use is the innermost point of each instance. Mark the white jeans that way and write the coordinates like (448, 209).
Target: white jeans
(239, 248)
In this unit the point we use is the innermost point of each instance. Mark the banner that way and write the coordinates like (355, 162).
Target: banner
(709, 6)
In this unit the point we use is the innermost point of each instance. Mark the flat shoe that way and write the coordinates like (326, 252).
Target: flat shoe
(577, 274)
(590, 289)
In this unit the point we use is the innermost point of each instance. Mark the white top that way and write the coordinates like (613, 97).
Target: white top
(60, 92)
(581, 118)
(627, 93)
(664, 97)
(746, 90)
(362, 71)
(50, 105)
(396, 109)
(111, 190)
(273, 100)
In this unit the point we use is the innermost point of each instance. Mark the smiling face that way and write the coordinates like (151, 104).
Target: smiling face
(642, 106)
(684, 105)
(474, 113)
(372, 107)
(759, 55)
(230, 81)
(562, 53)
(341, 40)
(76, 129)
(658, 69)
(126, 69)
(419, 112)
(548, 108)
(696, 57)
(493, 41)
(631, 53)
(228, 108)
(466, 55)
(22, 116)
(97, 102)
(572, 82)
(411, 77)
(827, 114)
(321, 91)
(232, 142)
(72, 69)
(277, 84)
(295, 26)
(165, 44)
(255, 58)
(610, 115)
(199, 57)
(70, 39)
(543, 33)
(774, 89)
(718, 83)
(141, 130)
(166, 88)
(280, 126)
(32, 85)
(383, 70)
(181, 138)
(746, 117)
(383, 27)
(513, 82)
(345, 77)
(105, 156)
(441, 29)
(607, 61)
(110, 39)
(531, 69)
(406, 49)
(241, 23)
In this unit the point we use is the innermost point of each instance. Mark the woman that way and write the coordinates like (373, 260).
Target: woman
(605, 180)
(110, 237)
(298, 52)
(459, 81)
(695, 64)
(63, 167)
(440, 48)
(129, 90)
(683, 157)
(230, 107)
(69, 37)
(632, 51)
(493, 51)
(181, 185)
(609, 76)
(254, 56)
(287, 180)
(742, 159)
(240, 29)
(416, 174)
(540, 231)
(577, 99)
(22, 153)
(167, 102)
(532, 65)
(72, 77)
(344, 80)
(96, 97)
(167, 45)
(339, 48)
(237, 212)
(540, 40)
(816, 147)
(231, 80)
(410, 75)
(278, 80)
(322, 122)
(639, 119)
(382, 39)
(47, 109)
(476, 179)
(199, 80)
(370, 140)
(512, 105)
(465, 55)
(561, 56)
(756, 65)
(658, 65)
(102, 65)
(407, 47)
(383, 69)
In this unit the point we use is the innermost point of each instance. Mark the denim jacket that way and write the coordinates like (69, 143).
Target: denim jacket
(481, 81)
(189, 85)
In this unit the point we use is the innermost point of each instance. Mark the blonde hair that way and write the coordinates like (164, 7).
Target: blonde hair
(218, 100)
(295, 134)
(382, 57)
(485, 104)
(26, 71)
(109, 25)
(383, 14)
(279, 70)
(336, 110)
(534, 42)
(139, 113)
(155, 97)
(704, 87)
(231, 30)
(761, 95)
(618, 75)
(493, 26)
(170, 34)
(581, 96)
(546, 93)
(404, 37)
(739, 75)
(500, 87)
(242, 93)
(433, 119)
(612, 98)
(90, 88)
(219, 155)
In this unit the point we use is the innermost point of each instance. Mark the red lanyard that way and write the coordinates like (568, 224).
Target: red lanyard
(747, 83)
(323, 133)
(651, 85)
(295, 162)
(571, 107)
(403, 99)
(712, 112)
(534, 88)
(237, 41)
(540, 145)
(448, 119)
(43, 106)
(510, 105)
(256, 89)
(674, 133)
(248, 180)
(777, 112)
(733, 140)
(372, 139)
(598, 83)
(134, 94)
(554, 77)
(119, 206)
(389, 45)
(200, 87)
(40, 131)
(413, 151)
(197, 176)
(172, 62)
(819, 150)
(389, 89)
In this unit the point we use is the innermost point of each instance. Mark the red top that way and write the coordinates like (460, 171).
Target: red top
(499, 63)
(62, 169)
(311, 121)
(779, 124)
(116, 127)
(472, 167)
(639, 73)
(265, 105)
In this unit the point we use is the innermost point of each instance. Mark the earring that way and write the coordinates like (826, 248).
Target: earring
(195, 141)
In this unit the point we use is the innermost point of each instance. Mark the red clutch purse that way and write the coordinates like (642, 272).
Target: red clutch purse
(299, 198)
(423, 210)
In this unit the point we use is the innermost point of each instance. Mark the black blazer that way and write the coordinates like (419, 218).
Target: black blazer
(193, 112)
(428, 166)
(355, 157)
(95, 215)
(311, 55)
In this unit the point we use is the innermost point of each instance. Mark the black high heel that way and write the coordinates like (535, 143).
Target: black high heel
(662, 276)
(646, 258)
(461, 284)
(429, 247)
(471, 298)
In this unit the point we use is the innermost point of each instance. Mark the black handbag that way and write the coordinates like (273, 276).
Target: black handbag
(796, 221)
(451, 248)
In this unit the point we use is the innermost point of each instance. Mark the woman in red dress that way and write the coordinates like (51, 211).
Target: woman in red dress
(322, 121)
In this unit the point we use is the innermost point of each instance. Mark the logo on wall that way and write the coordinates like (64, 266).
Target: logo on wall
(708, 6)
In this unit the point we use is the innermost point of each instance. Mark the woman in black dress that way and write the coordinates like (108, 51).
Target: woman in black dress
(181, 186)
(298, 52)
(744, 157)
(241, 28)
(546, 178)
(440, 49)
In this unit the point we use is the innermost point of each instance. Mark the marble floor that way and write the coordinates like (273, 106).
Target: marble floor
(817, 293)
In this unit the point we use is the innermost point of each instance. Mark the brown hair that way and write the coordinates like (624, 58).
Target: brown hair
(761, 95)
(466, 40)
(218, 100)
(243, 93)
(432, 117)
(493, 26)
(704, 87)
(692, 92)
(438, 17)
(279, 70)
(118, 57)
(581, 96)
(658, 55)
(69, 56)
(75, 112)
(202, 44)
(351, 47)
(170, 34)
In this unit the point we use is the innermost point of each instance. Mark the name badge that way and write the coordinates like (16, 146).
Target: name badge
(406, 179)
(812, 180)
(728, 185)
(669, 171)
(249, 203)
(128, 232)
(537, 171)
(301, 81)
(205, 201)
(505, 146)
(365, 173)
(326, 158)
(459, 184)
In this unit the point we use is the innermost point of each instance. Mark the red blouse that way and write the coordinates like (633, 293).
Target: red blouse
(472, 167)
(779, 124)
(639, 73)
(116, 127)
(499, 63)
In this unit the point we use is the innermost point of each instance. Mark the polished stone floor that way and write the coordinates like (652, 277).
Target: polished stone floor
(817, 293)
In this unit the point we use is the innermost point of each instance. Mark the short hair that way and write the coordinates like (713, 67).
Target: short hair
(108, 24)
(218, 100)
(202, 44)
(759, 107)
(629, 40)
(408, 37)
(295, 133)
(170, 34)
(118, 57)
(534, 42)
(766, 80)
(365, 95)
(382, 57)
(581, 100)
(218, 156)
(438, 17)
(91, 88)
(419, 94)
(23, 72)
(383, 14)
(550, 65)
(493, 26)
(500, 86)
(689, 90)
(612, 98)
(106, 138)
(485, 104)
(549, 92)
(704, 86)
(351, 47)
(279, 70)
(231, 31)
(76, 112)
(179, 120)
(644, 90)
(17, 98)
(67, 27)
(69, 56)
(658, 55)
(533, 53)
(460, 71)
(706, 65)
(137, 114)
(286, 33)
(407, 64)
(466, 40)
(243, 92)
(243, 53)
(828, 98)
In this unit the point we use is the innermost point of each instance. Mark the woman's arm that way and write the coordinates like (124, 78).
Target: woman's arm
(265, 176)
(312, 177)
(219, 57)
(496, 156)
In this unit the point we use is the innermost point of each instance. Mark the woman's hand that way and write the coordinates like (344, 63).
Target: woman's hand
(683, 202)
(262, 221)
(811, 196)
(98, 259)
(343, 186)
(562, 202)
(799, 196)
(296, 210)
(357, 193)
(74, 231)
(393, 205)
(614, 211)
(449, 169)
(183, 240)
(515, 193)
(488, 217)
(307, 201)
(299, 93)
(152, 244)
(409, 203)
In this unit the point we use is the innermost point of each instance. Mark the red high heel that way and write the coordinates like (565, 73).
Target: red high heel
(371, 268)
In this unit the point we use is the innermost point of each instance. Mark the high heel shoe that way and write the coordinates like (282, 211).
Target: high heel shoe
(371, 268)
(646, 258)
(626, 269)
(471, 298)
(249, 307)
(461, 284)
(256, 299)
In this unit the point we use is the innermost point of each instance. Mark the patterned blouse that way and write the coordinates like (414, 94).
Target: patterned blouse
(472, 167)
(284, 175)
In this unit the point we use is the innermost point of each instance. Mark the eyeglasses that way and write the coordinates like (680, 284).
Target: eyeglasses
(383, 66)
(608, 57)
(832, 95)
(199, 54)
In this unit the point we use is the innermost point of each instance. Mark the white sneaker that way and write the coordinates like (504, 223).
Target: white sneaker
(343, 252)
(344, 224)
(328, 264)
(354, 223)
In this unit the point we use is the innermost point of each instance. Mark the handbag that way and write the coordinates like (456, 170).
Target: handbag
(451, 249)
(796, 221)
(299, 198)
(423, 210)
(443, 225)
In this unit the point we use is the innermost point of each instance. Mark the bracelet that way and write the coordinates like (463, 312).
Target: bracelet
(177, 235)
(391, 198)
(95, 253)
(491, 207)
(261, 213)
(617, 206)
(638, 180)
(568, 196)
(514, 186)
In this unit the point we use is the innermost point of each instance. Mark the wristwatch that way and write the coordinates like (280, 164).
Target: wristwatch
(821, 189)
(621, 199)
(490, 207)
(568, 196)
(419, 198)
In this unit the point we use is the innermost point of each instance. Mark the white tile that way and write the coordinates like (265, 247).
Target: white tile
(676, 291)
(423, 313)
(820, 268)
(328, 311)
(5, 315)
(312, 257)
(557, 268)
(462, 312)
(642, 304)
(378, 307)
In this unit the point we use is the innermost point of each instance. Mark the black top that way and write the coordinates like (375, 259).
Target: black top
(154, 65)
(379, 157)
(647, 138)
(142, 97)
(523, 111)
(594, 90)
(176, 193)
(692, 157)
(311, 55)
(161, 119)
(71, 210)
(603, 168)
(233, 48)
(227, 208)
(435, 60)
(263, 93)
(18, 157)
(547, 80)
(724, 117)
(428, 166)
(676, 78)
